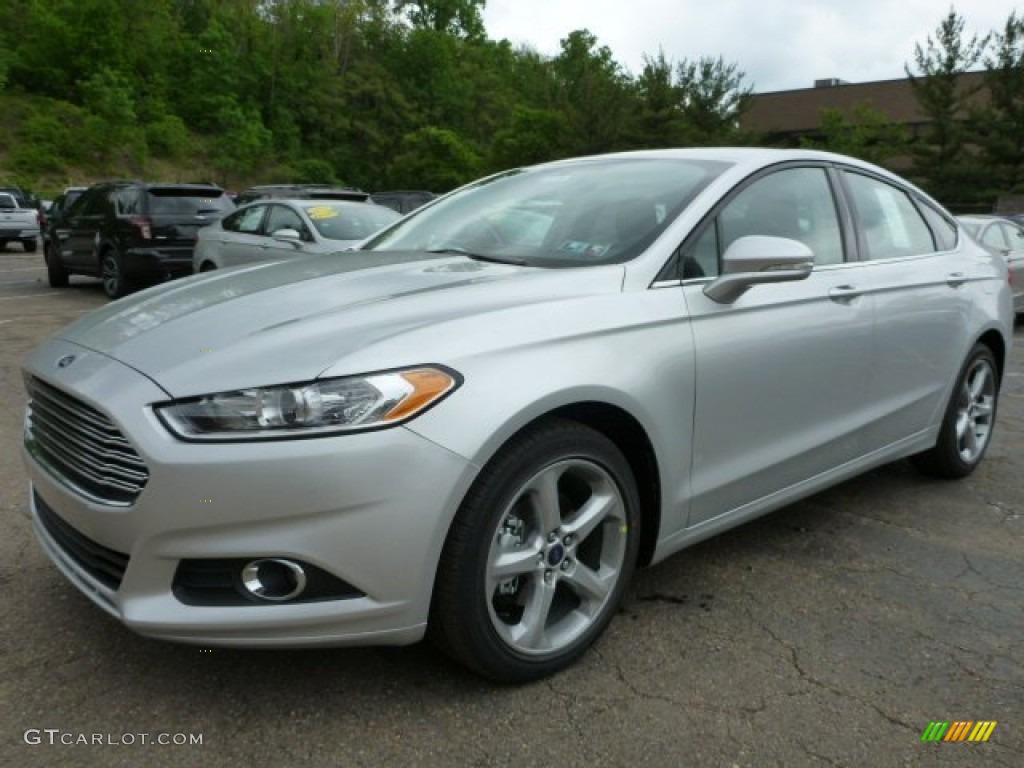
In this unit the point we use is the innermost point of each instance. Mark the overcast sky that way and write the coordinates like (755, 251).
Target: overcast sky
(779, 44)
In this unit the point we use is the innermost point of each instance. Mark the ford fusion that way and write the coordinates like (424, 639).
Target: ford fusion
(476, 426)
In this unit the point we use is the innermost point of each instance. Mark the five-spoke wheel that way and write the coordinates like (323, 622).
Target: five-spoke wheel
(539, 555)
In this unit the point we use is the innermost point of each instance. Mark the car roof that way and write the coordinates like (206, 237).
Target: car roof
(305, 202)
(303, 191)
(981, 218)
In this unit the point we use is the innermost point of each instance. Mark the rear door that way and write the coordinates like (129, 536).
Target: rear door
(77, 237)
(921, 284)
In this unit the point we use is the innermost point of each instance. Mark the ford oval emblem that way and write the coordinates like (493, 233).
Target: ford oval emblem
(65, 361)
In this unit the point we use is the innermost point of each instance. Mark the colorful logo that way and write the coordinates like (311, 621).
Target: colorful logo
(959, 730)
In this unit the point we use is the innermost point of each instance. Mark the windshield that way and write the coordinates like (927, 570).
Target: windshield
(578, 214)
(355, 221)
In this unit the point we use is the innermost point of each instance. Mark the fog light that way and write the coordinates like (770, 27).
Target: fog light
(274, 579)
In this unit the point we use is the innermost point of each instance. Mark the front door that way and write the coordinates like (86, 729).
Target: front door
(780, 386)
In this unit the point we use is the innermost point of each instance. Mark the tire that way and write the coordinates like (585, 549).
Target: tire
(55, 271)
(968, 421)
(29, 245)
(112, 273)
(207, 266)
(562, 575)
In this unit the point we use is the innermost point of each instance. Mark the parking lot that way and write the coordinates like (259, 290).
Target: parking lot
(829, 633)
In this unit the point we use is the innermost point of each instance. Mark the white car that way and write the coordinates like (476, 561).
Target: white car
(281, 229)
(1005, 238)
(480, 421)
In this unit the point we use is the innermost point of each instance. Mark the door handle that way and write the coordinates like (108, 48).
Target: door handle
(956, 279)
(844, 294)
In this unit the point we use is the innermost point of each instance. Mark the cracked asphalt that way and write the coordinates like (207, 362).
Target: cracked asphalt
(828, 633)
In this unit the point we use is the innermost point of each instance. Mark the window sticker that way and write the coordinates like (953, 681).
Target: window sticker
(320, 212)
(584, 249)
(890, 205)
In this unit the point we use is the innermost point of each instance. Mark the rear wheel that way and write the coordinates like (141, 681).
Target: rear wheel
(970, 416)
(55, 271)
(29, 245)
(207, 266)
(539, 555)
(112, 273)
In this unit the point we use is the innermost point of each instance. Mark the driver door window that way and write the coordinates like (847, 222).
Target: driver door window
(795, 203)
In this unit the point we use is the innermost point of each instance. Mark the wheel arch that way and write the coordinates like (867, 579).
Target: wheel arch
(994, 340)
(630, 437)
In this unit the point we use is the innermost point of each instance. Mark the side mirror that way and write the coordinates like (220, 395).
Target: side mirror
(759, 259)
(288, 236)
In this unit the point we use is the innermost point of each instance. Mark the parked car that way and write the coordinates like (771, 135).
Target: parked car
(285, 229)
(479, 432)
(18, 222)
(132, 232)
(403, 200)
(55, 214)
(300, 192)
(1006, 239)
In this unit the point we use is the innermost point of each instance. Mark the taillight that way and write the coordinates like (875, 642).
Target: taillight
(145, 227)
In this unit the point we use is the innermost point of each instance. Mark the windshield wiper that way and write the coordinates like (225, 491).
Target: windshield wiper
(479, 256)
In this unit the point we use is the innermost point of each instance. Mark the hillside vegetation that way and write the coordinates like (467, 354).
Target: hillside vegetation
(411, 94)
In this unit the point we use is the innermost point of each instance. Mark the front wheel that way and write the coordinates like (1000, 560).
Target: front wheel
(967, 424)
(539, 555)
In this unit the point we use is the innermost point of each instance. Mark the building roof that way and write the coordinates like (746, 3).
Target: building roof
(799, 111)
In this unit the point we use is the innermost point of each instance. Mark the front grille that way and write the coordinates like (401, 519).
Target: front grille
(104, 565)
(82, 446)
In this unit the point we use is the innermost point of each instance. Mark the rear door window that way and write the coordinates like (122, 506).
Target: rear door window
(890, 224)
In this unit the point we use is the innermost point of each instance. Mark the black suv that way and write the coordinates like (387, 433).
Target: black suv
(132, 232)
(403, 200)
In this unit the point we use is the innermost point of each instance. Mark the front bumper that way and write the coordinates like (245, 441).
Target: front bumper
(371, 509)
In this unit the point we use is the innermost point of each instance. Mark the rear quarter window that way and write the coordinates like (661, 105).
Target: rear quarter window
(942, 228)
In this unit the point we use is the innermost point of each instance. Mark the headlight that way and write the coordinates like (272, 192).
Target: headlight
(309, 409)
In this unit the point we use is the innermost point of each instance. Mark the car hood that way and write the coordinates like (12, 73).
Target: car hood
(291, 321)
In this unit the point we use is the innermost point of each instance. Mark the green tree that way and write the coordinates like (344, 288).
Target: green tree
(531, 137)
(242, 142)
(460, 18)
(434, 158)
(866, 133)
(659, 122)
(1001, 123)
(111, 129)
(713, 99)
(942, 158)
(594, 94)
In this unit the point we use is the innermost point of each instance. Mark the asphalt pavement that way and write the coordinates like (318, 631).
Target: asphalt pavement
(832, 632)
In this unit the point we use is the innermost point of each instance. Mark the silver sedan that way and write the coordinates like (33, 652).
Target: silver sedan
(477, 425)
(1005, 238)
(284, 229)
